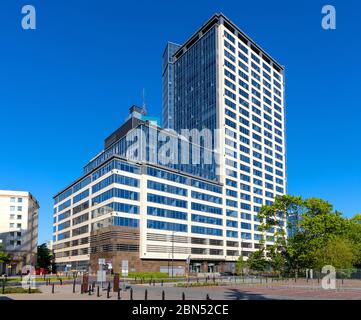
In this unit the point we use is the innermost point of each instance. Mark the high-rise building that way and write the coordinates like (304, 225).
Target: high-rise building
(18, 229)
(223, 80)
(174, 200)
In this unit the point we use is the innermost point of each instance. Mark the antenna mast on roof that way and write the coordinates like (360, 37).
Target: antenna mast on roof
(144, 106)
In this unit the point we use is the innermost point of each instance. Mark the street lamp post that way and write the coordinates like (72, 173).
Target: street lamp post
(172, 252)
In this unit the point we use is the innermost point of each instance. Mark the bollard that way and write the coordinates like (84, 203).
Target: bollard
(29, 289)
(98, 292)
(153, 282)
(90, 290)
(163, 295)
(61, 281)
(131, 293)
(207, 297)
(52, 288)
(150, 282)
(81, 288)
(108, 292)
(118, 294)
(3, 290)
(146, 294)
(74, 283)
(183, 296)
(162, 283)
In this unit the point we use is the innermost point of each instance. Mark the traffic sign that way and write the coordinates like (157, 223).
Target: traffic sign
(125, 268)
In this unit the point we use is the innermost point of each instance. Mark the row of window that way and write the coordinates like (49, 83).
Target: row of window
(114, 164)
(117, 193)
(166, 188)
(115, 178)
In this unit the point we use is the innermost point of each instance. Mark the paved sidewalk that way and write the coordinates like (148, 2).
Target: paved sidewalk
(227, 292)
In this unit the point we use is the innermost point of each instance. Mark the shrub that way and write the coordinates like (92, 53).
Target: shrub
(148, 275)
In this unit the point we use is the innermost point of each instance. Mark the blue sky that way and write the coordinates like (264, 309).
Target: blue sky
(67, 85)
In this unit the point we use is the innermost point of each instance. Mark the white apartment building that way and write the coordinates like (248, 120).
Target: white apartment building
(18, 229)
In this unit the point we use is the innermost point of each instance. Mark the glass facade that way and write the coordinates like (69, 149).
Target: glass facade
(168, 85)
(195, 84)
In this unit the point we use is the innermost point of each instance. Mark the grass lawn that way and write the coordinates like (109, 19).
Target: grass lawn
(196, 284)
(38, 279)
(9, 290)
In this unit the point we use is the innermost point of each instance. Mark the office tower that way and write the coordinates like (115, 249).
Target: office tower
(18, 229)
(148, 206)
(223, 80)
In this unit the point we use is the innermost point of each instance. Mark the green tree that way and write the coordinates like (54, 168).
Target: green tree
(314, 226)
(317, 225)
(241, 265)
(337, 252)
(44, 257)
(276, 259)
(4, 257)
(354, 236)
(257, 261)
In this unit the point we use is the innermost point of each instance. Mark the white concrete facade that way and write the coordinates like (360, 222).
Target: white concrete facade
(19, 227)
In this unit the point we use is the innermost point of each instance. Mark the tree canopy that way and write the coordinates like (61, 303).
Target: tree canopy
(313, 236)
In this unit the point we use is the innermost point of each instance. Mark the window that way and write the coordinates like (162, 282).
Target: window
(12, 199)
(206, 197)
(231, 213)
(20, 208)
(162, 225)
(208, 231)
(245, 225)
(152, 211)
(166, 188)
(167, 200)
(206, 208)
(228, 36)
(12, 208)
(205, 219)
